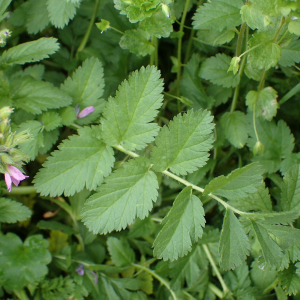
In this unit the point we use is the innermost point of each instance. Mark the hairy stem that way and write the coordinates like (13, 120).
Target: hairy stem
(160, 279)
(89, 29)
(213, 264)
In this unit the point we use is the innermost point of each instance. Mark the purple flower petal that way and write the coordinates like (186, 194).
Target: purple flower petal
(86, 111)
(16, 173)
(80, 270)
(7, 181)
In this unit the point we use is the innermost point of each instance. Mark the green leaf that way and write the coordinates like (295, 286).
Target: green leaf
(29, 52)
(266, 54)
(127, 193)
(50, 138)
(86, 87)
(183, 146)
(12, 211)
(182, 227)
(55, 226)
(215, 38)
(290, 198)
(290, 280)
(191, 85)
(235, 128)
(158, 25)
(215, 69)
(218, 15)
(81, 161)
(22, 263)
(137, 41)
(36, 96)
(51, 120)
(36, 71)
(31, 148)
(37, 16)
(257, 201)
(234, 245)
(61, 12)
(126, 118)
(120, 251)
(290, 54)
(3, 6)
(238, 184)
(294, 27)
(142, 228)
(264, 102)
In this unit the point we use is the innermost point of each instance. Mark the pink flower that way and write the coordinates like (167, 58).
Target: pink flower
(13, 175)
(86, 111)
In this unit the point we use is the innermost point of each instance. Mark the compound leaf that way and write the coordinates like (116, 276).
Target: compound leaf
(13, 211)
(215, 69)
(234, 125)
(126, 117)
(29, 52)
(234, 245)
(183, 146)
(182, 226)
(82, 161)
(127, 193)
(218, 15)
(238, 184)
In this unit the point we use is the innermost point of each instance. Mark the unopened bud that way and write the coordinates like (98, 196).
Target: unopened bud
(9, 141)
(6, 159)
(5, 33)
(5, 112)
(85, 112)
(258, 148)
(5, 126)
(22, 137)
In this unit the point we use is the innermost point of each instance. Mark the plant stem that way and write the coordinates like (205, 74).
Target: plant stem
(290, 94)
(179, 48)
(212, 262)
(89, 29)
(270, 287)
(21, 190)
(21, 294)
(215, 290)
(160, 279)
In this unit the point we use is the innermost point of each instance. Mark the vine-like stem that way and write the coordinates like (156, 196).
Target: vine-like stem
(160, 279)
(179, 48)
(213, 264)
(89, 29)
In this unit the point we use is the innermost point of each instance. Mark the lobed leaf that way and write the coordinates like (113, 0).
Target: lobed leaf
(127, 193)
(126, 118)
(183, 146)
(12, 211)
(82, 161)
(182, 227)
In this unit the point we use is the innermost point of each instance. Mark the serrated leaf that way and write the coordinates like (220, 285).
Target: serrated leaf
(158, 25)
(238, 184)
(290, 198)
(35, 71)
(290, 54)
(182, 227)
(127, 193)
(57, 241)
(50, 138)
(294, 27)
(137, 41)
(126, 118)
(36, 96)
(271, 251)
(290, 280)
(257, 201)
(3, 6)
(61, 12)
(12, 211)
(218, 15)
(234, 245)
(55, 226)
(81, 161)
(266, 54)
(215, 38)
(264, 102)
(254, 17)
(86, 87)
(215, 70)
(120, 251)
(37, 16)
(235, 128)
(183, 146)
(51, 120)
(31, 148)
(22, 263)
(29, 52)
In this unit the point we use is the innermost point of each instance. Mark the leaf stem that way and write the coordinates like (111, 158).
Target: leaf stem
(89, 29)
(270, 287)
(215, 290)
(179, 48)
(212, 262)
(160, 279)
(21, 294)
(21, 190)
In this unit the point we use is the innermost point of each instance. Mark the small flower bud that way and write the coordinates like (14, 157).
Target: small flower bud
(22, 137)
(85, 112)
(9, 141)
(5, 126)
(258, 148)
(6, 159)
(5, 112)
